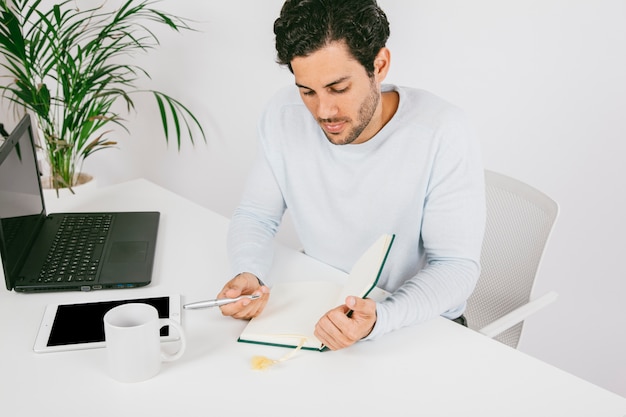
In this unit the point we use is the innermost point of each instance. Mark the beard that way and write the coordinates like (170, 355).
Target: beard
(366, 112)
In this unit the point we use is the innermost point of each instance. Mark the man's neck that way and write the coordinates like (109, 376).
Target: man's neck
(390, 101)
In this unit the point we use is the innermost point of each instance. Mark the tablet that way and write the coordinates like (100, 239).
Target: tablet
(80, 326)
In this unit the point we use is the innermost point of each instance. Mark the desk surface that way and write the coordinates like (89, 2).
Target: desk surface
(434, 369)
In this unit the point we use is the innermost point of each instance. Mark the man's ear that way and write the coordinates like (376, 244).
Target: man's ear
(382, 62)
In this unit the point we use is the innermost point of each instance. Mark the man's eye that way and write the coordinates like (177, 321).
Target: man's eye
(308, 93)
(340, 90)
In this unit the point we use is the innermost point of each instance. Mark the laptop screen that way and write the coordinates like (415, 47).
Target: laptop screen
(21, 207)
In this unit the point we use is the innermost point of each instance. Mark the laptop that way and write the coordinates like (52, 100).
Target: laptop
(65, 251)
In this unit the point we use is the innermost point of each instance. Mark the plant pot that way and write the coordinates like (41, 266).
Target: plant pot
(84, 183)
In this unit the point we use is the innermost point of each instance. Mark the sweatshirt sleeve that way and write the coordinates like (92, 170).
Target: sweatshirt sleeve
(451, 234)
(255, 222)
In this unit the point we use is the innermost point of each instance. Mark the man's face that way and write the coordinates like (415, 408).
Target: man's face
(338, 92)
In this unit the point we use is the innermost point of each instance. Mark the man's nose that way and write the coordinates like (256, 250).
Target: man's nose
(327, 107)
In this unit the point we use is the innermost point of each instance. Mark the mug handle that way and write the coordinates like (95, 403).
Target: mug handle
(169, 357)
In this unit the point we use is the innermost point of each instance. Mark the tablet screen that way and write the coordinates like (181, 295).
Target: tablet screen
(83, 323)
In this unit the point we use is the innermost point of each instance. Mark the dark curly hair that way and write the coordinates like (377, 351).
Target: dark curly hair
(305, 26)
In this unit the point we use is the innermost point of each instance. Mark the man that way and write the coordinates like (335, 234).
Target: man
(352, 159)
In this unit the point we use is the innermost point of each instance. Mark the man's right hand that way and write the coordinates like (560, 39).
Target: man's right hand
(244, 284)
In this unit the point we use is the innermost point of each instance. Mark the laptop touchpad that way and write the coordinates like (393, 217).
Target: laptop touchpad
(128, 252)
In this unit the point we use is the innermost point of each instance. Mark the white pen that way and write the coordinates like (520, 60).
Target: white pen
(218, 302)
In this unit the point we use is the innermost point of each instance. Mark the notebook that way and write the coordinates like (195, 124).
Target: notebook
(100, 250)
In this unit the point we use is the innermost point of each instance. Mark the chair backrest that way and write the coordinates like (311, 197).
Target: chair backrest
(518, 225)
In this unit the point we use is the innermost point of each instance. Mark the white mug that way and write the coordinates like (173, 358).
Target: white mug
(133, 344)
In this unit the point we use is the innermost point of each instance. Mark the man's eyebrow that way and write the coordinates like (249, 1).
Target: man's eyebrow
(339, 81)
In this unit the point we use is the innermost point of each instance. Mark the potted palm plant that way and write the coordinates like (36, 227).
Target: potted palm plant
(70, 68)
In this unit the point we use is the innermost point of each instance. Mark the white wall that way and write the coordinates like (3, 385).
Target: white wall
(544, 82)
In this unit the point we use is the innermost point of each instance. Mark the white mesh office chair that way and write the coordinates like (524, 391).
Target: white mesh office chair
(519, 221)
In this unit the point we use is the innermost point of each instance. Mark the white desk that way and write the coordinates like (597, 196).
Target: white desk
(435, 369)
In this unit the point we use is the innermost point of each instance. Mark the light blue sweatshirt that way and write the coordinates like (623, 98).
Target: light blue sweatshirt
(420, 178)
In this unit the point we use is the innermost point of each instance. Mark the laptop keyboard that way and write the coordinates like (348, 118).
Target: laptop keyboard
(76, 250)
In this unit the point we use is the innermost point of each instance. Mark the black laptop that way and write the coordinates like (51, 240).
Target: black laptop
(65, 251)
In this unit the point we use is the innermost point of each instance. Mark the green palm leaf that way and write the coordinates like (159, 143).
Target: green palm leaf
(70, 67)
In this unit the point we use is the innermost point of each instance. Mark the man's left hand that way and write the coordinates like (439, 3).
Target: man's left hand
(337, 330)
